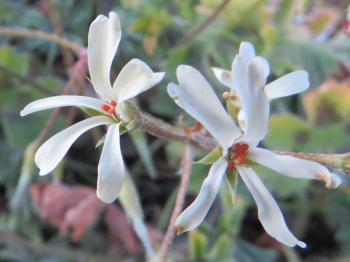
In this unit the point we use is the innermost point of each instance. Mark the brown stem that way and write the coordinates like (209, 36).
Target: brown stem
(26, 80)
(38, 34)
(158, 128)
(50, 10)
(196, 31)
(186, 169)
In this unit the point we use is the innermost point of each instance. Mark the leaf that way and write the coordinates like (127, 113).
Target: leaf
(231, 179)
(131, 203)
(318, 60)
(282, 185)
(222, 250)
(329, 103)
(140, 141)
(9, 58)
(287, 132)
(198, 244)
(210, 158)
(248, 252)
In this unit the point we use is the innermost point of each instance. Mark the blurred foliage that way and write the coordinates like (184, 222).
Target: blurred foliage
(291, 34)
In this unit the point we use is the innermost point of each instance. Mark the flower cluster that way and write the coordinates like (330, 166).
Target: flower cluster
(239, 145)
(238, 136)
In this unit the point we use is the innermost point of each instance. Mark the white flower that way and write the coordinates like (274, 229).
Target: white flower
(248, 79)
(134, 78)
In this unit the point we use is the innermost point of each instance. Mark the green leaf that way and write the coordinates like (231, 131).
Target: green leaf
(249, 252)
(198, 245)
(222, 250)
(140, 141)
(231, 180)
(287, 132)
(13, 61)
(282, 185)
(210, 158)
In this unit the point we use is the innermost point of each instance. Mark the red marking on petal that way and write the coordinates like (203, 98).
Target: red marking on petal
(238, 155)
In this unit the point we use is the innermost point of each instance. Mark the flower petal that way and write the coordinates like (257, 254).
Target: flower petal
(197, 98)
(111, 169)
(223, 76)
(193, 215)
(135, 78)
(289, 84)
(103, 40)
(53, 150)
(246, 51)
(249, 78)
(269, 213)
(294, 167)
(130, 200)
(58, 101)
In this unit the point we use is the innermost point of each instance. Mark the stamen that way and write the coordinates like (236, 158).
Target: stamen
(238, 155)
(110, 108)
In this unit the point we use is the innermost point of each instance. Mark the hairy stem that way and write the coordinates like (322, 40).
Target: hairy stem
(38, 34)
(158, 128)
(186, 169)
(196, 31)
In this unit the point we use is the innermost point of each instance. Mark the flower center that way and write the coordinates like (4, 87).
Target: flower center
(238, 155)
(110, 108)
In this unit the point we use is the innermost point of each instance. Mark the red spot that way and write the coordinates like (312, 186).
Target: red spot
(232, 166)
(110, 107)
(347, 26)
(238, 155)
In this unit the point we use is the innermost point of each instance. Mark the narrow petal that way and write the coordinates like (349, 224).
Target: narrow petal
(197, 98)
(223, 76)
(58, 101)
(246, 51)
(289, 84)
(111, 167)
(249, 78)
(53, 150)
(130, 200)
(135, 78)
(103, 40)
(269, 213)
(193, 215)
(294, 167)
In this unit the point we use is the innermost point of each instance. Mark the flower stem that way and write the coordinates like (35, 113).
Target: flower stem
(196, 31)
(38, 34)
(186, 170)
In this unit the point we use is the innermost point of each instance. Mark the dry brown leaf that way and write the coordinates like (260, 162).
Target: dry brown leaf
(76, 209)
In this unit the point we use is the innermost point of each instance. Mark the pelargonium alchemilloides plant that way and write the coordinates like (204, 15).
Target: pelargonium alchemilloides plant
(110, 109)
(238, 136)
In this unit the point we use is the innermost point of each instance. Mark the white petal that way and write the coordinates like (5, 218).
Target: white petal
(269, 213)
(246, 51)
(53, 150)
(193, 215)
(223, 76)
(289, 84)
(197, 98)
(58, 101)
(249, 77)
(135, 78)
(103, 40)
(111, 167)
(130, 200)
(294, 167)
